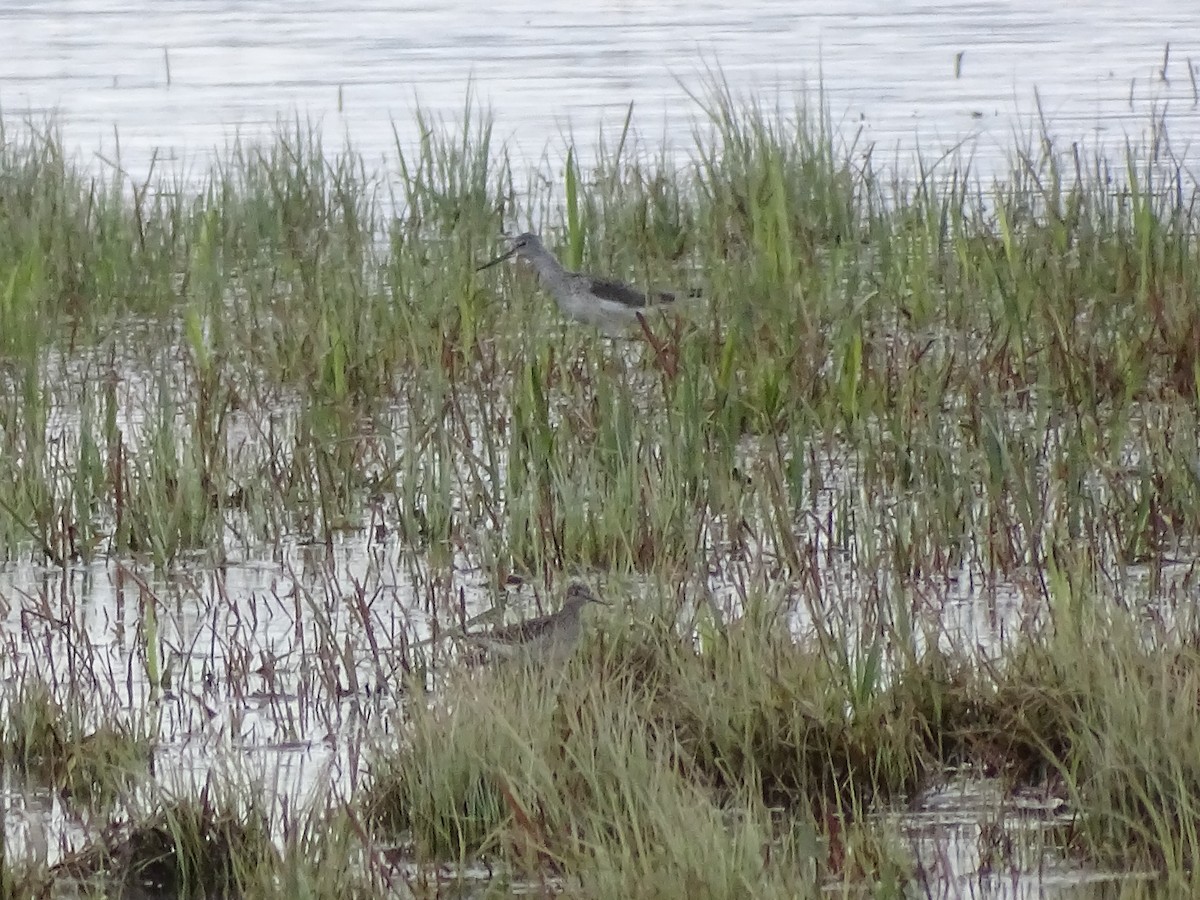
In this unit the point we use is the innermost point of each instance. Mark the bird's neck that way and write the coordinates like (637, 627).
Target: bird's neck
(548, 268)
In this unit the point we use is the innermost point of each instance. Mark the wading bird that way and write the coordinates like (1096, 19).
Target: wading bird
(611, 305)
(545, 638)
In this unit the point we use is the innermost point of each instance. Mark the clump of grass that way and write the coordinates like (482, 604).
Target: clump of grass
(1094, 712)
(571, 770)
(23, 881)
(760, 709)
(74, 251)
(639, 757)
(189, 849)
(1124, 740)
(54, 745)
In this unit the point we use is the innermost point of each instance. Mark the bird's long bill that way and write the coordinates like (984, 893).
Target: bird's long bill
(591, 596)
(499, 259)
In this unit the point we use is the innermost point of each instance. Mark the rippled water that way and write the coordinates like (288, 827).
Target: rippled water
(183, 76)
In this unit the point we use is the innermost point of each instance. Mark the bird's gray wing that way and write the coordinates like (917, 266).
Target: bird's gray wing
(620, 292)
(520, 632)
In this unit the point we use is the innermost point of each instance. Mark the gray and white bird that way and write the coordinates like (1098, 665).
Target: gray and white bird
(546, 638)
(607, 303)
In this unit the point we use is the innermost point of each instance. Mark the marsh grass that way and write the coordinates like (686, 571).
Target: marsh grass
(53, 744)
(589, 770)
(592, 770)
(188, 849)
(894, 382)
(1015, 357)
(1119, 729)
(230, 840)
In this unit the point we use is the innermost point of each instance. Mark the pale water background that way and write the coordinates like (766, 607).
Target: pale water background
(181, 79)
(544, 68)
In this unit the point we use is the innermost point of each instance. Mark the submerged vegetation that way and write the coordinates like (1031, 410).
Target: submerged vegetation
(913, 487)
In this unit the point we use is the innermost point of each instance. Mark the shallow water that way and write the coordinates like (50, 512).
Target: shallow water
(285, 666)
(970, 839)
(183, 77)
(289, 659)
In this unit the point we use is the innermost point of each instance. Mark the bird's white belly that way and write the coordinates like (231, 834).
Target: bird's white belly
(604, 314)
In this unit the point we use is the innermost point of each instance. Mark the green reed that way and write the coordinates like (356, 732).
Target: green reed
(891, 380)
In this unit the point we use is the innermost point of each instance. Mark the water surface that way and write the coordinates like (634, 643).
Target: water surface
(182, 77)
